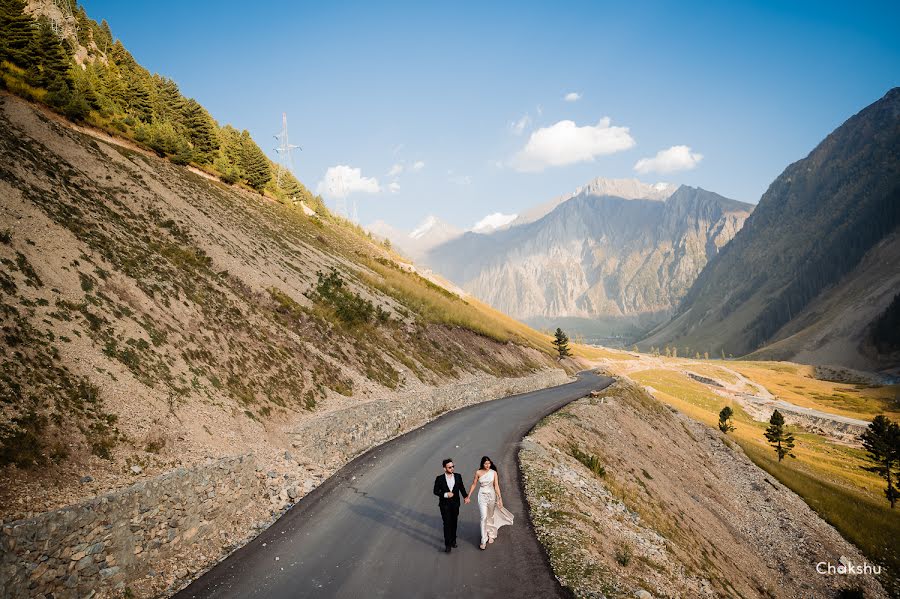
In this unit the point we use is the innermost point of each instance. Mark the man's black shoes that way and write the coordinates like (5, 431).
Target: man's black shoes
(453, 545)
(447, 549)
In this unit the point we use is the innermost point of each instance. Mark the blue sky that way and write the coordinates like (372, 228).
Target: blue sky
(739, 90)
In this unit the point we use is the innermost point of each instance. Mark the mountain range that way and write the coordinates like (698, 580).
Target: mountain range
(814, 275)
(613, 257)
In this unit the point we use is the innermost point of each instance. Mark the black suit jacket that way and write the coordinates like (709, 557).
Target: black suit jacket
(440, 487)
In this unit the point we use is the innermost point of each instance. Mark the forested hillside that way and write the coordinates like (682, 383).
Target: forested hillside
(78, 68)
(805, 242)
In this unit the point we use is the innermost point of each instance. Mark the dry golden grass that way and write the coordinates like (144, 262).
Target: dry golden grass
(796, 383)
(438, 305)
(592, 352)
(838, 463)
(714, 372)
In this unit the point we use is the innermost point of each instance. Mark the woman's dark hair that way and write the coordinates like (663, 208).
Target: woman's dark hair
(485, 459)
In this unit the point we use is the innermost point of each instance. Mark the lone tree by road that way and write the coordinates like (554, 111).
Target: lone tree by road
(724, 416)
(779, 438)
(882, 441)
(561, 343)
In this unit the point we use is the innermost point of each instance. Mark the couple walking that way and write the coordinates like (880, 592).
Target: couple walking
(449, 487)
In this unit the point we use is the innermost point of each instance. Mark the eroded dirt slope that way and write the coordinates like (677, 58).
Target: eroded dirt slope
(153, 317)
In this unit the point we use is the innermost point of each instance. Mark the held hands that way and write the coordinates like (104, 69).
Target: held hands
(467, 500)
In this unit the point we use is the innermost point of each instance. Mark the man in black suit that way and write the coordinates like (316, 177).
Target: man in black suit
(448, 487)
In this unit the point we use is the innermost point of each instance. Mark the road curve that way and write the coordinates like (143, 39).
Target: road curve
(374, 530)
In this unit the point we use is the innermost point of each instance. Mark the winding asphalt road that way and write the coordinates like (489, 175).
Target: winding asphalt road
(374, 530)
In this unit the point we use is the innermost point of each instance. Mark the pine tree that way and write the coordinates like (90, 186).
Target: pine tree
(170, 104)
(254, 163)
(201, 130)
(561, 343)
(17, 31)
(49, 59)
(112, 87)
(724, 416)
(882, 440)
(140, 98)
(103, 36)
(779, 438)
(85, 30)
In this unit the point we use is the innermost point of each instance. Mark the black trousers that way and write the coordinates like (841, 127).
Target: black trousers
(450, 515)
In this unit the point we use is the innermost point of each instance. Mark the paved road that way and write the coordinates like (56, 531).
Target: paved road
(374, 529)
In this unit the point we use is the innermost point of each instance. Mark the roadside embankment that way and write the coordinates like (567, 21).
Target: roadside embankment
(632, 498)
(152, 538)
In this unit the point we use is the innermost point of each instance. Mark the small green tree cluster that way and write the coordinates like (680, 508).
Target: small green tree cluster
(882, 442)
(561, 343)
(589, 460)
(350, 308)
(111, 90)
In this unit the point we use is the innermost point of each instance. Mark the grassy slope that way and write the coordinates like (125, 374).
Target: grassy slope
(829, 477)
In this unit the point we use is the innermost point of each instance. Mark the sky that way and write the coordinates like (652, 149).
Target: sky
(464, 110)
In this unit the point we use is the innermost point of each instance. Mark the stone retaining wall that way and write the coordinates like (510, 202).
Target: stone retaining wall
(154, 537)
(104, 543)
(340, 436)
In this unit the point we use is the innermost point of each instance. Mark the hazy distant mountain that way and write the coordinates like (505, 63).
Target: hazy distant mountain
(431, 232)
(629, 189)
(596, 256)
(817, 265)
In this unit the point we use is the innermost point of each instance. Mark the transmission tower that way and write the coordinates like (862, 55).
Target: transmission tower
(284, 150)
(339, 191)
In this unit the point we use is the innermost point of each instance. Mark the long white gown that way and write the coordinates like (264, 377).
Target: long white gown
(492, 517)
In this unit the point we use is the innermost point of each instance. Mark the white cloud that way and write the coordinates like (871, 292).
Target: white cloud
(572, 97)
(341, 180)
(418, 165)
(676, 158)
(517, 127)
(567, 143)
(458, 179)
(493, 221)
(395, 170)
(394, 186)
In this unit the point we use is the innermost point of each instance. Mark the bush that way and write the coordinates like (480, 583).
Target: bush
(20, 442)
(590, 461)
(349, 307)
(623, 554)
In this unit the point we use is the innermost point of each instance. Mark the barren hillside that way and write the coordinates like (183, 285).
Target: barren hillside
(631, 497)
(153, 316)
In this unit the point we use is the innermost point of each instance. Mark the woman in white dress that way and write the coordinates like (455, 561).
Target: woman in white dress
(490, 501)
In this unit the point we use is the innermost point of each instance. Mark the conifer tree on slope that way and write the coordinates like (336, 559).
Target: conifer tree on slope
(48, 55)
(201, 130)
(16, 32)
(779, 438)
(724, 416)
(254, 163)
(882, 440)
(561, 343)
